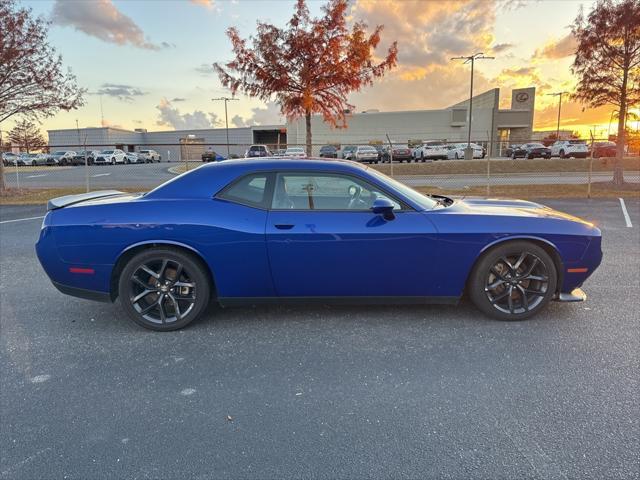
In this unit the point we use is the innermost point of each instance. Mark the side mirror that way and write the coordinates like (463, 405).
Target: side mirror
(383, 206)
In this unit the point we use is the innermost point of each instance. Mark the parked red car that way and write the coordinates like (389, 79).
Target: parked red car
(604, 149)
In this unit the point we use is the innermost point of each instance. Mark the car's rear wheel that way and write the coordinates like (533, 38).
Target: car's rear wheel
(164, 289)
(513, 281)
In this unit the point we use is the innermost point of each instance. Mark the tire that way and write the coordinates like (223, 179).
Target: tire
(530, 157)
(562, 154)
(34, 164)
(148, 310)
(456, 156)
(113, 161)
(492, 277)
(513, 156)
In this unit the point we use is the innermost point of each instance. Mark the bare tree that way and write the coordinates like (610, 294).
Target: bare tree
(608, 62)
(27, 135)
(33, 83)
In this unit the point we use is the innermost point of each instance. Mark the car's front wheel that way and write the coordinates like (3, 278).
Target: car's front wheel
(513, 281)
(164, 289)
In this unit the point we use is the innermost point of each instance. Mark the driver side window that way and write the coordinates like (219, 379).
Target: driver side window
(321, 191)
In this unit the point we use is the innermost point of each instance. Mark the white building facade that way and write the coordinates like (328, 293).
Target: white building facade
(491, 126)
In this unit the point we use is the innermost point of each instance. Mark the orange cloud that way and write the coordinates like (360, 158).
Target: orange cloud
(204, 3)
(555, 49)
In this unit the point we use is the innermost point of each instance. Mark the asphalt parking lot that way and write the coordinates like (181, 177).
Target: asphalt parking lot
(322, 392)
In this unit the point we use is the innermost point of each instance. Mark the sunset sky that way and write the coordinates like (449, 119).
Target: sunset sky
(150, 61)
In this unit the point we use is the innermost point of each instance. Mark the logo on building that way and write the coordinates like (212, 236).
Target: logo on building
(522, 97)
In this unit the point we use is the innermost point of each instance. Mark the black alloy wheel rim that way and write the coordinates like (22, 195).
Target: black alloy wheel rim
(517, 284)
(162, 291)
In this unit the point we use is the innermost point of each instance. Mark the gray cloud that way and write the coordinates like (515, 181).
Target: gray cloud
(121, 92)
(171, 117)
(205, 69)
(101, 19)
(502, 47)
(268, 115)
(178, 99)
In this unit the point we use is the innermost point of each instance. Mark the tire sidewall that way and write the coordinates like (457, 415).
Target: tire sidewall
(190, 263)
(478, 277)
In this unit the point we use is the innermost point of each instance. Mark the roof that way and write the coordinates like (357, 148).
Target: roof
(210, 177)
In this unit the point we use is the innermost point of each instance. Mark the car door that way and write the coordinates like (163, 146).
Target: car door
(323, 240)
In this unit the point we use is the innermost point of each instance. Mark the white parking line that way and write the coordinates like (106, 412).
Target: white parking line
(100, 175)
(36, 176)
(21, 219)
(627, 219)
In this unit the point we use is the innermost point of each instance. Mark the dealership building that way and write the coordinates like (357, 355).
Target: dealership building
(491, 126)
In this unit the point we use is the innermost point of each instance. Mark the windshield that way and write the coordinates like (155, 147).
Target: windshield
(576, 142)
(107, 152)
(417, 197)
(59, 153)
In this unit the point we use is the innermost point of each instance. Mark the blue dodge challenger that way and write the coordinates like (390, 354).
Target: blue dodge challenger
(277, 230)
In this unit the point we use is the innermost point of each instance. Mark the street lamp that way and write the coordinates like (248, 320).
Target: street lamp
(559, 95)
(468, 154)
(226, 117)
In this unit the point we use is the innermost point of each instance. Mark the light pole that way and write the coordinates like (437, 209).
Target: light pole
(559, 95)
(226, 117)
(468, 154)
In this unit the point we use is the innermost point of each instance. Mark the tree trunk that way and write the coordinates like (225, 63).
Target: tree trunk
(307, 119)
(618, 169)
(2, 187)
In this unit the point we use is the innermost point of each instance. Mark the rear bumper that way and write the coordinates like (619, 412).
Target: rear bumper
(82, 293)
(576, 295)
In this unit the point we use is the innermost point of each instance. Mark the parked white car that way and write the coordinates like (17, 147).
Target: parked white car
(149, 156)
(61, 157)
(431, 151)
(110, 156)
(365, 153)
(32, 159)
(297, 152)
(9, 158)
(456, 151)
(133, 157)
(569, 148)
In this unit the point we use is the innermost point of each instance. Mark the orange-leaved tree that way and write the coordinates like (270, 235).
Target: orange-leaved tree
(607, 62)
(310, 66)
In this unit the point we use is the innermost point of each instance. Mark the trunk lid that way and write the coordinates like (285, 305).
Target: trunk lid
(65, 201)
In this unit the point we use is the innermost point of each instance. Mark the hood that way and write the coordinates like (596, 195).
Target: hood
(513, 208)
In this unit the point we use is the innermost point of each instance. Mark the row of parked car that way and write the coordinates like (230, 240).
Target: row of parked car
(562, 149)
(400, 152)
(92, 157)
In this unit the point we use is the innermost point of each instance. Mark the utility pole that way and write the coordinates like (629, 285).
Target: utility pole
(468, 154)
(559, 95)
(226, 117)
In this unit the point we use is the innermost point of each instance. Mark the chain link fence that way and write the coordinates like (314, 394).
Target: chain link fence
(434, 167)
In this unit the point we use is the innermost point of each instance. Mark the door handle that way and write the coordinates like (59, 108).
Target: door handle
(284, 226)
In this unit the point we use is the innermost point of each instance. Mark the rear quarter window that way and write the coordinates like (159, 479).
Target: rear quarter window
(250, 190)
